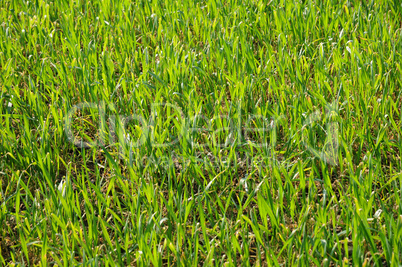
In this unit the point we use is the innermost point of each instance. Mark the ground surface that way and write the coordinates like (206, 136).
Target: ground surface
(200, 132)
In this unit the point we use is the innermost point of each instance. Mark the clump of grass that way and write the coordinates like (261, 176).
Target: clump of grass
(200, 133)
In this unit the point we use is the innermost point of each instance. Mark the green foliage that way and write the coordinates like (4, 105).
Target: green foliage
(200, 133)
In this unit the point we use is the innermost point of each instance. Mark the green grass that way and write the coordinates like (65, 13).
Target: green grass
(261, 133)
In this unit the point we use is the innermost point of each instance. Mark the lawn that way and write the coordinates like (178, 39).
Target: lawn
(185, 133)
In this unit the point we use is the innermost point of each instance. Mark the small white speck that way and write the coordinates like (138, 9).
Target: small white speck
(10, 105)
(127, 137)
(377, 214)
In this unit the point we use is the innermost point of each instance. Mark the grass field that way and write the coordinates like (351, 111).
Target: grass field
(183, 133)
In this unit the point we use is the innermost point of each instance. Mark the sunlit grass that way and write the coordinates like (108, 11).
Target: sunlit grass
(200, 133)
